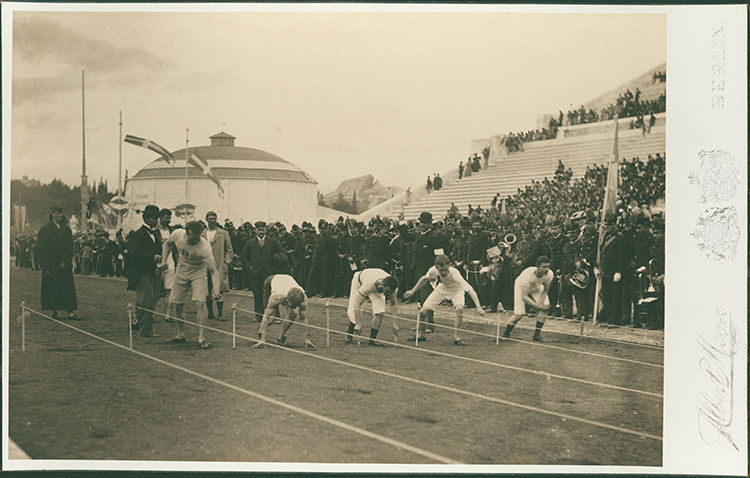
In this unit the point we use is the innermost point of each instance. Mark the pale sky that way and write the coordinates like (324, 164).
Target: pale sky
(397, 95)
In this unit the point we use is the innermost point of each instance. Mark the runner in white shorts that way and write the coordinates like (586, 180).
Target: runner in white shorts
(195, 261)
(529, 294)
(451, 286)
(283, 290)
(377, 286)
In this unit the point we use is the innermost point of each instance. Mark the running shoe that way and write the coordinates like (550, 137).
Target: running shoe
(205, 345)
(458, 341)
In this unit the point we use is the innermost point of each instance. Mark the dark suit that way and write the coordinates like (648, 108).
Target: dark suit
(141, 272)
(612, 262)
(261, 262)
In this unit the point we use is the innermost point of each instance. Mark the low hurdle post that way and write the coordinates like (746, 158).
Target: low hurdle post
(328, 324)
(23, 325)
(416, 333)
(234, 325)
(130, 324)
(499, 311)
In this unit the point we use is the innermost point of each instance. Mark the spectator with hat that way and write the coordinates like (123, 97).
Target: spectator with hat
(221, 246)
(609, 271)
(54, 254)
(144, 253)
(261, 256)
(427, 246)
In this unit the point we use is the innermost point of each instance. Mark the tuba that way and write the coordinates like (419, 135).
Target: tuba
(508, 242)
(580, 278)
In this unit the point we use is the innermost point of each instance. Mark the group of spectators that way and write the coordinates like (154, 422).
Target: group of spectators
(627, 104)
(434, 184)
(323, 259)
(474, 164)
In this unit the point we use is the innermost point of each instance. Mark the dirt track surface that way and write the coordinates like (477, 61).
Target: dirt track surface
(74, 397)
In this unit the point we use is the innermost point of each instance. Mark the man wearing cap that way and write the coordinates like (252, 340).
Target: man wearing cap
(164, 278)
(144, 253)
(376, 246)
(474, 253)
(570, 262)
(609, 271)
(449, 285)
(530, 293)
(221, 246)
(377, 286)
(427, 246)
(554, 241)
(261, 257)
(196, 261)
(54, 254)
(282, 290)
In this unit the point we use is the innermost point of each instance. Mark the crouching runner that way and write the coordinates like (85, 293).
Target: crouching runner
(377, 286)
(451, 286)
(195, 262)
(283, 290)
(529, 294)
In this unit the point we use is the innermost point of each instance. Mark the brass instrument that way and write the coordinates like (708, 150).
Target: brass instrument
(580, 278)
(508, 242)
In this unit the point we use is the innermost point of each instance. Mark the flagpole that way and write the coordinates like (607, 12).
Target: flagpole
(613, 159)
(186, 164)
(84, 184)
(119, 177)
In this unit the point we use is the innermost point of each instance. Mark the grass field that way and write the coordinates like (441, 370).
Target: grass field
(72, 396)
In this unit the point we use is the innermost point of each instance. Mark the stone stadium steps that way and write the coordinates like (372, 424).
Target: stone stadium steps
(537, 161)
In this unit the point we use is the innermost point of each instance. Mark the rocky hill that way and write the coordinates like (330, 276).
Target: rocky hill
(369, 193)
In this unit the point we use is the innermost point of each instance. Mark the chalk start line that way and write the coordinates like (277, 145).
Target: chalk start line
(338, 423)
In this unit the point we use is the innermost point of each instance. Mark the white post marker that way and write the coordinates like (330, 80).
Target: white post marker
(328, 324)
(582, 323)
(416, 333)
(23, 325)
(130, 325)
(499, 311)
(234, 325)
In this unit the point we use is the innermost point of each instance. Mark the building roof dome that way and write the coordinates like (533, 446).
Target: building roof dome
(226, 161)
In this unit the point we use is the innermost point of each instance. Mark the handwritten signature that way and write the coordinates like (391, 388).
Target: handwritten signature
(716, 411)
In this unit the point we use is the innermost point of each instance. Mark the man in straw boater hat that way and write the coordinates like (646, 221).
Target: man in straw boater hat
(377, 286)
(196, 261)
(450, 285)
(283, 290)
(54, 254)
(144, 253)
(529, 295)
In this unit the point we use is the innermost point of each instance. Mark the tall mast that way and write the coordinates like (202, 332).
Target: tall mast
(84, 184)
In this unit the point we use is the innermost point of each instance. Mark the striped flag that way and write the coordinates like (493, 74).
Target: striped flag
(609, 205)
(202, 164)
(148, 144)
(613, 178)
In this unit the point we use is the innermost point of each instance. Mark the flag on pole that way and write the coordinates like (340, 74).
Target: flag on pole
(613, 178)
(202, 164)
(148, 144)
(609, 206)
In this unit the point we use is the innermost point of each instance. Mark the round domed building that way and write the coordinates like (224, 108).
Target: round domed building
(257, 185)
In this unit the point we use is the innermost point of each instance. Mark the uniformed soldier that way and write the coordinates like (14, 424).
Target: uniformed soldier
(554, 241)
(474, 256)
(610, 267)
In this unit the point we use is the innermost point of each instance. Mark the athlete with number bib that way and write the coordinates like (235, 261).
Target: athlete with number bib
(196, 261)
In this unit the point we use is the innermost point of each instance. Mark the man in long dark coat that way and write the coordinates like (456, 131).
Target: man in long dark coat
(144, 253)
(54, 254)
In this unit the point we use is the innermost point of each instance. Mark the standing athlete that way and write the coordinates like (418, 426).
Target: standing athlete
(451, 286)
(377, 286)
(283, 290)
(529, 294)
(195, 261)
